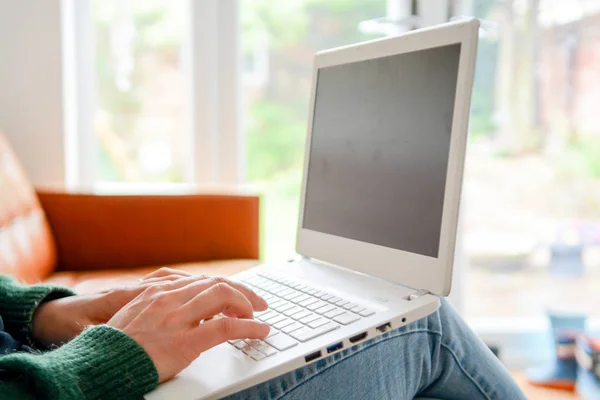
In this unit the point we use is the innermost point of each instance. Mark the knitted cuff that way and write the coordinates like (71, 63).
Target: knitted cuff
(101, 363)
(109, 364)
(19, 302)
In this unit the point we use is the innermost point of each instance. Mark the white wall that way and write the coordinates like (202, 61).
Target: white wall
(31, 95)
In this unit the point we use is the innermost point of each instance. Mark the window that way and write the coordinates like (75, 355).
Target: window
(532, 188)
(531, 210)
(279, 40)
(140, 114)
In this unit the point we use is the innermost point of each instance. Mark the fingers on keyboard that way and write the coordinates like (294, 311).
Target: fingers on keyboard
(297, 313)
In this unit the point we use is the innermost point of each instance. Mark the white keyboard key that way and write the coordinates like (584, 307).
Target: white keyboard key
(335, 299)
(286, 292)
(328, 297)
(253, 342)
(248, 349)
(349, 306)
(276, 303)
(267, 315)
(318, 322)
(308, 302)
(346, 318)
(261, 346)
(268, 297)
(239, 345)
(325, 309)
(283, 323)
(366, 312)
(342, 303)
(300, 332)
(292, 327)
(234, 341)
(294, 295)
(334, 313)
(320, 294)
(356, 309)
(286, 305)
(293, 311)
(313, 333)
(279, 289)
(252, 352)
(309, 318)
(301, 314)
(276, 319)
(300, 298)
(269, 287)
(281, 342)
(268, 351)
(317, 304)
(253, 281)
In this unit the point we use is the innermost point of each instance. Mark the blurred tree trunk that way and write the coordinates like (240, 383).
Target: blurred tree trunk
(517, 79)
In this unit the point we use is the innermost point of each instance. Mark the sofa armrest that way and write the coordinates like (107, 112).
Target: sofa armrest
(95, 232)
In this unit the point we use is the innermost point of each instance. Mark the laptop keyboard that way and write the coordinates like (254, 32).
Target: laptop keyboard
(297, 313)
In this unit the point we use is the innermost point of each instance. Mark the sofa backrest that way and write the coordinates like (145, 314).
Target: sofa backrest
(27, 249)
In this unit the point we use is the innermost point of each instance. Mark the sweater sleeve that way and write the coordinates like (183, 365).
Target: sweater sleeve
(18, 303)
(101, 363)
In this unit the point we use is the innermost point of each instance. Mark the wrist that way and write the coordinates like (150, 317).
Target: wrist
(53, 323)
(21, 302)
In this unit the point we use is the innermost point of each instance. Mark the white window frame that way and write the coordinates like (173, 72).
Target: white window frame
(78, 93)
(215, 93)
(212, 63)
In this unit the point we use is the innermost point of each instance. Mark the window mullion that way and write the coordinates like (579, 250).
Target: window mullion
(79, 83)
(203, 94)
(231, 139)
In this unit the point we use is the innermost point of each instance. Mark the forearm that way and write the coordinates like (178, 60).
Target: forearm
(102, 362)
(19, 302)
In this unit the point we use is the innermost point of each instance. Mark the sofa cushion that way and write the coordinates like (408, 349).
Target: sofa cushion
(95, 281)
(27, 249)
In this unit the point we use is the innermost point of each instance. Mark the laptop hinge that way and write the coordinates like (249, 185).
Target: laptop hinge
(417, 294)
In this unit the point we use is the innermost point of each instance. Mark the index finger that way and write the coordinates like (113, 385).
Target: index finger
(258, 303)
(165, 271)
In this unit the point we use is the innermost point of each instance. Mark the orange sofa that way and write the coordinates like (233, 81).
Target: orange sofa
(93, 242)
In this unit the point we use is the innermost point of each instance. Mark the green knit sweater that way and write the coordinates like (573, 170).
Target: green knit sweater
(100, 363)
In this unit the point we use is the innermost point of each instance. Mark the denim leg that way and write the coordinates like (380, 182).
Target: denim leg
(465, 367)
(437, 356)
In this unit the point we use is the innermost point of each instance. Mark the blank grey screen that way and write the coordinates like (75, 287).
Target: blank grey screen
(379, 149)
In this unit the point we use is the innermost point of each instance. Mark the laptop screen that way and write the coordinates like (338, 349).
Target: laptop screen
(379, 149)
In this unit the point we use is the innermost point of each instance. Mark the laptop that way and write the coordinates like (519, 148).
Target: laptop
(378, 214)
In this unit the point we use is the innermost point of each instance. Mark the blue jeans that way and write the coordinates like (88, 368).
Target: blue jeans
(437, 356)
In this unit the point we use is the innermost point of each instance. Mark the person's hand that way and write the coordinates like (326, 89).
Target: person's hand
(58, 321)
(174, 321)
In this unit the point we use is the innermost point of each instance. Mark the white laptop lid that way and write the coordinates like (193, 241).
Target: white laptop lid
(385, 154)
